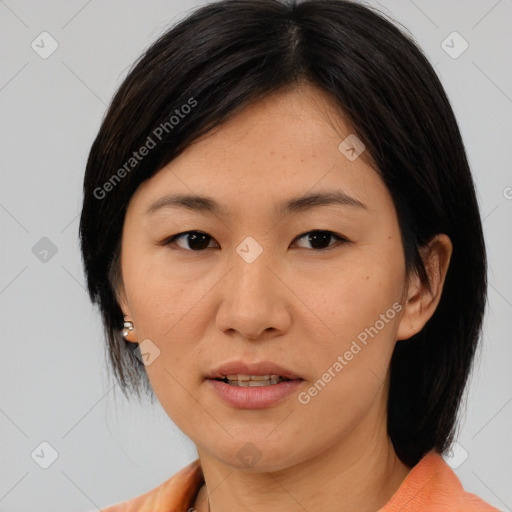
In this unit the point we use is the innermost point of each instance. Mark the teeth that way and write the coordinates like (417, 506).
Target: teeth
(253, 380)
(246, 378)
(253, 383)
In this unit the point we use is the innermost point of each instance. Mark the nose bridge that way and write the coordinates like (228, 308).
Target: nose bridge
(250, 262)
(251, 301)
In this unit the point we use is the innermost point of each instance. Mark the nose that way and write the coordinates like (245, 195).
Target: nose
(255, 301)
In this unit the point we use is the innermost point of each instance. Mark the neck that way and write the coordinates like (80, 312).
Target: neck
(360, 473)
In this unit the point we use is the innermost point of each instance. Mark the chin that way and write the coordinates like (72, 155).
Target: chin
(258, 457)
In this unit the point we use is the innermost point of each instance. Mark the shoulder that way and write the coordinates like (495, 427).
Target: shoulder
(433, 485)
(175, 494)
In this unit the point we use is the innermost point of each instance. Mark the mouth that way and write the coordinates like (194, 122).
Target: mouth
(242, 380)
(247, 374)
(246, 385)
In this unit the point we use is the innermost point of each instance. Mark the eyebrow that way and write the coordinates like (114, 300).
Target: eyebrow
(298, 204)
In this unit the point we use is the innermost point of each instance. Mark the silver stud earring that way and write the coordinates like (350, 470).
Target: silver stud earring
(128, 326)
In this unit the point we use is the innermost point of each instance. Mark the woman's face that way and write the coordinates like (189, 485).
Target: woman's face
(250, 286)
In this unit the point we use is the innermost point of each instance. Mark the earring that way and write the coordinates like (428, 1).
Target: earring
(128, 327)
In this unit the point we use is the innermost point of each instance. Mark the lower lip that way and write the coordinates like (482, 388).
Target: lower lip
(254, 397)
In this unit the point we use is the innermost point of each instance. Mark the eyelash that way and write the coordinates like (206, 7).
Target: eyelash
(340, 239)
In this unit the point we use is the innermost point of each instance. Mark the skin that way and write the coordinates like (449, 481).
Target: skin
(292, 305)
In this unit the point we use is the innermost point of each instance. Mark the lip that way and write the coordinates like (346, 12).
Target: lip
(257, 397)
(246, 368)
(253, 397)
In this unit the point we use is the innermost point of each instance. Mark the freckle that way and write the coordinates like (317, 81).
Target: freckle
(367, 277)
(389, 237)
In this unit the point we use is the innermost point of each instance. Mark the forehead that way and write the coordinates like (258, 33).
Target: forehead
(277, 148)
(296, 121)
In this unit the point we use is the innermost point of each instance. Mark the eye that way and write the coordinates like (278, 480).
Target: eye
(197, 240)
(320, 238)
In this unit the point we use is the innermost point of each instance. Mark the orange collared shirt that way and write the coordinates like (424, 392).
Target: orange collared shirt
(430, 486)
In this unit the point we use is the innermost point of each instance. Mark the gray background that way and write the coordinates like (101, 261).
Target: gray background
(54, 385)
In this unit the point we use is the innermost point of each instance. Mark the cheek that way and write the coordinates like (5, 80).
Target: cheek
(167, 311)
(351, 371)
(350, 295)
(160, 295)
(352, 341)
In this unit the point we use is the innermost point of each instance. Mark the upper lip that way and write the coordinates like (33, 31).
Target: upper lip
(246, 368)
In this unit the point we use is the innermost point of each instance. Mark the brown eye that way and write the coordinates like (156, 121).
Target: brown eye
(195, 240)
(319, 239)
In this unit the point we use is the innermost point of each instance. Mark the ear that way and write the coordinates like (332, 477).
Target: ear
(420, 304)
(124, 305)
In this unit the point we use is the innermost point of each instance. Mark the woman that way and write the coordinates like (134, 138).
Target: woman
(281, 231)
